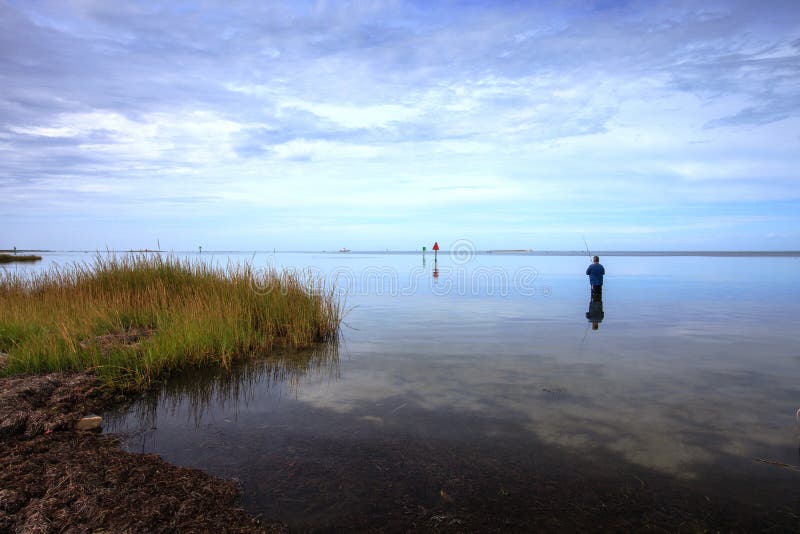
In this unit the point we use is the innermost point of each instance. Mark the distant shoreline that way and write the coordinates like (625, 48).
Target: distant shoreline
(10, 258)
(505, 252)
(711, 253)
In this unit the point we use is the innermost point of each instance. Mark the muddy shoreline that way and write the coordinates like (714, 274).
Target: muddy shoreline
(54, 478)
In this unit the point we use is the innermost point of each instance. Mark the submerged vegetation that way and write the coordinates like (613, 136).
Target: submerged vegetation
(134, 319)
(8, 258)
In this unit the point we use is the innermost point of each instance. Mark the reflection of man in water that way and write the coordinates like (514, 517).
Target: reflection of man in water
(595, 313)
(596, 272)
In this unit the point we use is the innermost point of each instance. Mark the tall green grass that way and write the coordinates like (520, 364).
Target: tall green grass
(133, 319)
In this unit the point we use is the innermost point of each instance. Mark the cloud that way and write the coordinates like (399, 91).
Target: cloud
(530, 105)
(775, 110)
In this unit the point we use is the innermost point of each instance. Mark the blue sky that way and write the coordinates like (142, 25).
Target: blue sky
(372, 125)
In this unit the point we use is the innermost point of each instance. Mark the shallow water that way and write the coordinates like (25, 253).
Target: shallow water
(690, 376)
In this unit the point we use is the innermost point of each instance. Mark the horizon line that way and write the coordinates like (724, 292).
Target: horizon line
(520, 252)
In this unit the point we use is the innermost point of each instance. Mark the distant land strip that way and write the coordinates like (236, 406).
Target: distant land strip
(712, 253)
(9, 258)
(521, 252)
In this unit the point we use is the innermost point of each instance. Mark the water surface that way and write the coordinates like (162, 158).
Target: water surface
(489, 378)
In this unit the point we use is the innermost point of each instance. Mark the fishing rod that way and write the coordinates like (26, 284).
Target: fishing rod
(587, 247)
(586, 332)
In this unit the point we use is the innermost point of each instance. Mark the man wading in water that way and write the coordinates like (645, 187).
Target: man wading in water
(596, 272)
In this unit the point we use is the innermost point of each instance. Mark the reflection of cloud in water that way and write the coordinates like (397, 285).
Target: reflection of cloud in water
(673, 413)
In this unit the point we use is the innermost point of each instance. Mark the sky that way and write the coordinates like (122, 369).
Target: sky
(376, 125)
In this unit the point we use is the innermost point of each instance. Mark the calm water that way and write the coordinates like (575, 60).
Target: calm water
(490, 373)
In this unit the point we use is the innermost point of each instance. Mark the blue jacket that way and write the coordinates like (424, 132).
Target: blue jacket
(596, 272)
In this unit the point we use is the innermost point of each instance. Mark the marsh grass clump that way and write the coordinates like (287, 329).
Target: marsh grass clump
(135, 318)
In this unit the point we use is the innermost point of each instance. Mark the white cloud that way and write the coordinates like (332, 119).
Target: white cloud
(324, 150)
(352, 116)
(505, 110)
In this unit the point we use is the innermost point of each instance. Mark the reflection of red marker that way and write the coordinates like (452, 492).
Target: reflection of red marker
(436, 259)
